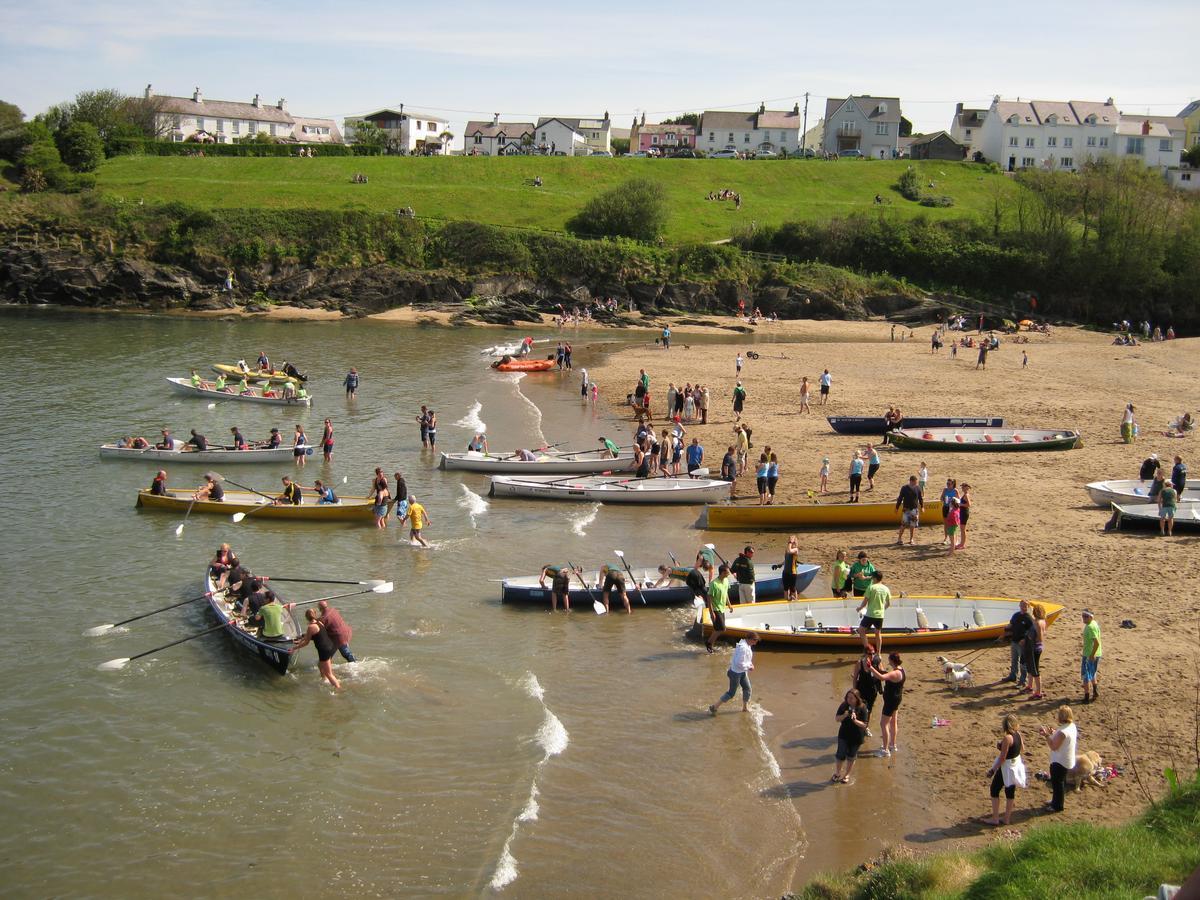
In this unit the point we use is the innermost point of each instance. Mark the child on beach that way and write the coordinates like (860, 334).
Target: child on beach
(952, 520)
(825, 475)
(923, 475)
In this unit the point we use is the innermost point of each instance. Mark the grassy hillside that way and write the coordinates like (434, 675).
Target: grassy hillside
(496, 191)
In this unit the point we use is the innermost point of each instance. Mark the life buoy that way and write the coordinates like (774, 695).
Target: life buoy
(959, 438)
(928, 436)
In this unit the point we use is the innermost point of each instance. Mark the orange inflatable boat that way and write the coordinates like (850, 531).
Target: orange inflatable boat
(523, 365)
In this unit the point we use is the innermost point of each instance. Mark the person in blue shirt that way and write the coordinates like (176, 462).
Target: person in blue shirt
(695, 455)
(325, 494)
(351, 383)
(856, 473)
(1179, 475)
(666, 337)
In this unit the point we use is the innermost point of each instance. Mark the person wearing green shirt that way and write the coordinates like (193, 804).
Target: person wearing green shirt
(841, 574)
(1168, 499)
(876, 600)
(743, 571)
(1091, 657)
(860, 574)
(717, 602)
(220, 383)
(270, 615)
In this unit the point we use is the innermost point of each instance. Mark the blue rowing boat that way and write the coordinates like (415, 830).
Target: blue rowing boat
(872, 425)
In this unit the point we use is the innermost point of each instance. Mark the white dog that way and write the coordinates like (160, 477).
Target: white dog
(957, 675)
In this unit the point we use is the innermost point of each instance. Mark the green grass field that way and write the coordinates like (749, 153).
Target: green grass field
(497, 191)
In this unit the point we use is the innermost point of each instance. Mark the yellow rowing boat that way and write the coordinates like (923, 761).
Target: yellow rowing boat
(357, 509)
(811, 515)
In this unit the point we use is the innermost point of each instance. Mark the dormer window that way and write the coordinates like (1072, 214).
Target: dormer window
(1091, 120)
(1014, 120)
(1052, 119)
(882, 108)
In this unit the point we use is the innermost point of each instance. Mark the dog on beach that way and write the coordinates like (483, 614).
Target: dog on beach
(957, 675)
(1087, 763)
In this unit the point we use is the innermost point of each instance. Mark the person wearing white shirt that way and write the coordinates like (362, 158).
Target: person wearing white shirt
(739, 672)
(1062, 742)
(825, 382)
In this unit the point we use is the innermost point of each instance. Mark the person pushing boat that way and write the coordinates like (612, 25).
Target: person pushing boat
(338, 628)
(614, 581)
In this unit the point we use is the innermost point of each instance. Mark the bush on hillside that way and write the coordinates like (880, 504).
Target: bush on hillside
(81, 147)
(636, 209)
(477, 247)
(909, 184)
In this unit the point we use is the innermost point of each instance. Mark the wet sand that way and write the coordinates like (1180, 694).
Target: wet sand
(1034, 533)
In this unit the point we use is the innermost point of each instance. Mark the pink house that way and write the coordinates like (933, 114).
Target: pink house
(661, 138)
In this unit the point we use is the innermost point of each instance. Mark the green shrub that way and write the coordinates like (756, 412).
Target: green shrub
(909, 184)
(930, 200)
(477, 247)
(81, 147)
(636, 209)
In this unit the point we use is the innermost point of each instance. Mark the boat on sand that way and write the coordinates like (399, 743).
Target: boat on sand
(598, 488)
(1105, 493)
(547, 462)
(984, 439)
(875, 425)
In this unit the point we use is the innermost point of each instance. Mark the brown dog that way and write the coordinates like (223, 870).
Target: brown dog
(1087, 763)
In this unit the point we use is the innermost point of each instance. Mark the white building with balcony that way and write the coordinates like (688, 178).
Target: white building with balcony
(409, 132)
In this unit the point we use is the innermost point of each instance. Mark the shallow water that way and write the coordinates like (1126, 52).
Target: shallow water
(475, 748)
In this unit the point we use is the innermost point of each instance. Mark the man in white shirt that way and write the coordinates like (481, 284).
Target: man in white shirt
(739, 672)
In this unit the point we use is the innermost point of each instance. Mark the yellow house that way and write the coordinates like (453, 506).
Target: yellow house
(1191, 116)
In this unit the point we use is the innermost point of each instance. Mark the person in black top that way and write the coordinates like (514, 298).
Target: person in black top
(864, 681)
(1018, 627)
(1010, 747)
(276, 440)
(911, 497)
(893, 692)
(158, 487)
(210, 490)
(199, 441)
(642, 461)
(291, 493)
(852, 714)
(239, 442)
(1150, 465)
(697, 583)
(289, 369)
(614, 580)
(316, 634)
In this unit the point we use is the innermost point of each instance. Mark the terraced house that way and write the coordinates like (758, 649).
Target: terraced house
(763, 131)
(226, 121)
(864, 125)
(496, 138)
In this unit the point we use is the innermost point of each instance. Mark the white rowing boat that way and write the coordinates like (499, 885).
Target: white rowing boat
(1146, 515)
(184, 386)
(1105, 493)
(984, 439)
(547, 462)
(509, 349)
(185, 453)
(611, 490)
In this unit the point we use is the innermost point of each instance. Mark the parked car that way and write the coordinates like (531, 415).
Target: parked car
(599, 153)
(640, 154)
(685, 153)
(852, 154)
(725, 154)
(765, 154)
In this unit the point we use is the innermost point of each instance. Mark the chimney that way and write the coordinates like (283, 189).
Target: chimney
(1109, 102)
(643, 118)
(796, 108)
(149, 91)
(1146, 127)
(762, 107)
(257, 101)
(958, 109)
(282, 104)
(495, 118)
(606, 115)
(197, 97)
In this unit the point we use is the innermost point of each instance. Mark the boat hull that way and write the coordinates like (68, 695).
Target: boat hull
(874, 425)
(986, 440)
(1131, 516)
(280, 656)
(1106, 493)
(780, 622)
(277, 454)
(349, 509)
(525, 365)
(812, 515)
(254, 377)
(526, 590)
(611, 490)
(591, 463)
(183, 386)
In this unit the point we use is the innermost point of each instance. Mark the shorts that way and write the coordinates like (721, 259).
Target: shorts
(872, 469)
(951, 530)
(840, 591)
(1167, 512)
(824, 390)
(870, 622)
(401, 509)
(298, 452)
(789, 581)
(846, 750)
(676, 457)
(964, 515)
(380, 510)
(762, 485)
(890, 706)
(718, 620)
(911, 517)
(855, 482)
(1087, 669)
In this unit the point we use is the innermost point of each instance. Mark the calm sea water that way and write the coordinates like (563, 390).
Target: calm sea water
(474, 749)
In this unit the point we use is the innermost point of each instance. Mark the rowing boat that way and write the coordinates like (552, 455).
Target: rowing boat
(548, 462)
(811, 515)
(184, 386)
(830, 622)
(183, 453)
(984, 439)
(279, 655)
(597, 488)
(524, 365)
(868, 425)
(255, 376)
(527, 589)
(346, 509)
(1128, 516)
(1105, 493)
(502, 350)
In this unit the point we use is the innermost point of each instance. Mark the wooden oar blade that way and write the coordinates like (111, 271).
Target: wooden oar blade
(114, 664)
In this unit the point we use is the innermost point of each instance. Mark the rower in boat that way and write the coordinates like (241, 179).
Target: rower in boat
(288, 391)
(239, 442)
(199, 441)
(264, 364)
(611, 447)
(224, 562)
(198, 382)
(477, 444)
(275, 440)
(244, 387)
(269, 618)
(291, 493)
(211, 489)
(158, 486)
(138, 443)
(219, 385)
(168, 443)
(324, 492)
(526, 455)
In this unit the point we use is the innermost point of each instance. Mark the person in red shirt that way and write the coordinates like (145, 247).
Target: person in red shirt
(338, 629)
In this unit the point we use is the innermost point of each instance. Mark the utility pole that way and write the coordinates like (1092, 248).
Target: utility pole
(804, 134)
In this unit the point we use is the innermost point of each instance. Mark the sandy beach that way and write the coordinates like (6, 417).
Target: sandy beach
(1034, 534)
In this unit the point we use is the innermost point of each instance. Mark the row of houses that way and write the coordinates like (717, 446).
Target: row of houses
(226, 121)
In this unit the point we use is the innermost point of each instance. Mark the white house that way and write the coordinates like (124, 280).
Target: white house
(574, 136)
(967, 127)
(1150, 142)
(225, 121)
(763, 130)
(1184, 177)
(412, 132)
(496, 138)
(868, 125)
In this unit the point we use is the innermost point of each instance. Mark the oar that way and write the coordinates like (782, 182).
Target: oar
(382, 587)
(713, 548)
(244, 488)
(596, 604)
(621, 554)
(179, 529)
(123, 661)
(372, 584)
(100, 629)
(238, 516)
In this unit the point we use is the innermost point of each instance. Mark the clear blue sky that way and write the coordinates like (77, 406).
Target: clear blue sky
(526, 58)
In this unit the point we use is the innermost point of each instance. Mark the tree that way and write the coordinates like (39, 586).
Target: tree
(145, 114)
(368, 134)
(1191, 156)
(10, 116)
(106, 109)
(636, 209)
(692, 119)
(41, 165)
(446, 138)
(905, 127)
(620, 146)
(81, 147)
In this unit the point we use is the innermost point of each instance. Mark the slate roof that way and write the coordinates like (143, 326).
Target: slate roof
(491, 130)
(721, 120)
(921, 139)
(868, 105)
(223, 109)
(971, 118)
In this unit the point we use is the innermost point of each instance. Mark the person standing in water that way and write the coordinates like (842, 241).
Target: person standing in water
(420, 518)
(740, 668)
(351, 383)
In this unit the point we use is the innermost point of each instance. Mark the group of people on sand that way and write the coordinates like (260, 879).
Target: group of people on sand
(1165, 491)
(256, 609)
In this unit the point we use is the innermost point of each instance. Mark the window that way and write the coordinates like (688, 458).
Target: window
(220, 126)
(1030, 142)
(712, 136)
(251, 127)
(432, 126)
(479, 139)
(1135, 146)
(237, 126)
(1067, 162)
(1028, 162)
(968, 134)
(1012, 141)
(848, 127)
(1103, 142)
(731, 137)
(1052, 141)
(1091, 141)
(1068, 142)
(746, 138)
(1164, 146)
(176, 122)
(199, 123)
(543, 137)
(654, 138)
(1185, 176)
(272, 129)
(881, 127)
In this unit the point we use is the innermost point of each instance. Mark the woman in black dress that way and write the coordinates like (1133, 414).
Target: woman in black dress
(316, 635)
(852, 714)
(892, 682)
